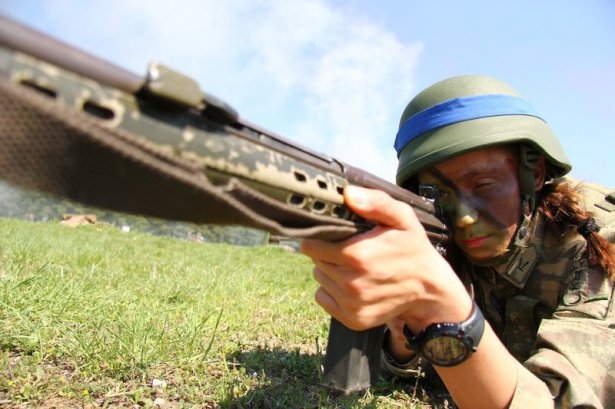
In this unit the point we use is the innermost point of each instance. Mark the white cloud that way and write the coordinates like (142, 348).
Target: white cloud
(337, 82)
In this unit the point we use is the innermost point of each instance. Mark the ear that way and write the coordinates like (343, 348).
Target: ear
(540, 172)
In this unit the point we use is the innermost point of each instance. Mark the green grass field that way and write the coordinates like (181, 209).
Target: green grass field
(93, 317)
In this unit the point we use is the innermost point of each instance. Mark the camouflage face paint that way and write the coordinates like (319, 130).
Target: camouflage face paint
(479, 194)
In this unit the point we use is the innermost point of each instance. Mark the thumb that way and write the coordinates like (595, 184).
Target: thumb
(378, 207)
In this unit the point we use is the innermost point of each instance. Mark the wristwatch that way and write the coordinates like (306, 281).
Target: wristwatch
(447, 343)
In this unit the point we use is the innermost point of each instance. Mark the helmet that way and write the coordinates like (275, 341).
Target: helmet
(464, 113)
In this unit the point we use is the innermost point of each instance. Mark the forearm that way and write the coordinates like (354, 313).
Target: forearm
(487, 379)
(472, 382)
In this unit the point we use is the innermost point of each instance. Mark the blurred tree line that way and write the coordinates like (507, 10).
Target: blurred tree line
(21, 204)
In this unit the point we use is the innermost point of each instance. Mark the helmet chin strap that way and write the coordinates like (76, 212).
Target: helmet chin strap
(527, 179)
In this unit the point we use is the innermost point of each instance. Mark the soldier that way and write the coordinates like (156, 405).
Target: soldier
(520, 311)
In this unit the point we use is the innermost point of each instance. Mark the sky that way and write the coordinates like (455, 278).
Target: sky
(335, 75)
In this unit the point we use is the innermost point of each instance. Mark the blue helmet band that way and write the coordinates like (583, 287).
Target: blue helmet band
(457, 110)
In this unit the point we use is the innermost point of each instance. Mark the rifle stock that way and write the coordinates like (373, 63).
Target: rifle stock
(79, 127)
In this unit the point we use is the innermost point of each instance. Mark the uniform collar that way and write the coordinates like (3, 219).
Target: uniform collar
(519, 261)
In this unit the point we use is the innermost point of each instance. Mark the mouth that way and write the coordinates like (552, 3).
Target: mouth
(474, 242)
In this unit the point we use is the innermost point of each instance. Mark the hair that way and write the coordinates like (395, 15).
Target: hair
(560, 204)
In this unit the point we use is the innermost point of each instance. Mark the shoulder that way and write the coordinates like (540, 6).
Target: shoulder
(587, 292)
(599, 201)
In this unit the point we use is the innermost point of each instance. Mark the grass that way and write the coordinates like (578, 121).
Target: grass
(93, 317)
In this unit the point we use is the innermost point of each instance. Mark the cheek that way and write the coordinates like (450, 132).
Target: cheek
(504, 212)
(502, 208)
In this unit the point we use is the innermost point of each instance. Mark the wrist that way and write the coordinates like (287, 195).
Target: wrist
(447, 343)
(456, 311)
(444, 299)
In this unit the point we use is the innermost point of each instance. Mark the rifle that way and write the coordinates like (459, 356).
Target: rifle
(78, 127)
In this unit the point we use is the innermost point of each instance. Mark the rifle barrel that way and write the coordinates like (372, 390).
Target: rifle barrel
(30, 41)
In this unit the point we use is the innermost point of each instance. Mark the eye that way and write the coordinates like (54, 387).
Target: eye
(485, 189)
(484, 185)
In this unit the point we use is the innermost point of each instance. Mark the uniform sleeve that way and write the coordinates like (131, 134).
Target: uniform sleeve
(531, 392)
(574, 354)
(575, 359)
(410, 369)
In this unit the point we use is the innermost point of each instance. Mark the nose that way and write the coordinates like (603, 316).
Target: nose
(465, 214)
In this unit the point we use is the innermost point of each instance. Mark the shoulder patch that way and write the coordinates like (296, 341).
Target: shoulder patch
(589, 295)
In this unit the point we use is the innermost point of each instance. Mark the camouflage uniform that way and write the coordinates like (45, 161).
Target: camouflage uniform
(554, 313)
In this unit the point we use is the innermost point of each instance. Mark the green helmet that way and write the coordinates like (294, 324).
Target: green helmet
(464, 113)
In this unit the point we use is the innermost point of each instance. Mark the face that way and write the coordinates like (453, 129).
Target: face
(479, 193)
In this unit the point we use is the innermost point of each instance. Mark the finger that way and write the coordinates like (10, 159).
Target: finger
(327, 280)
(379, 207)
(350, 318)
(327, 302)
(321, 251)
(333, 299)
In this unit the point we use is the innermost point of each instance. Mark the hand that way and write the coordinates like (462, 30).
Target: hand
(389, 271)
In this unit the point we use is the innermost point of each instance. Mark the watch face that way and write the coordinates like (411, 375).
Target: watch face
(447, 343)
(445, 350)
